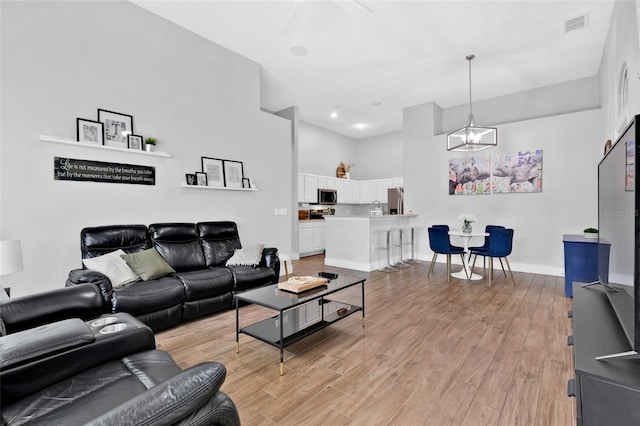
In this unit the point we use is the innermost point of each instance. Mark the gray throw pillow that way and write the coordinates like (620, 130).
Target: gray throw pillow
(148, 264)
(249, 256)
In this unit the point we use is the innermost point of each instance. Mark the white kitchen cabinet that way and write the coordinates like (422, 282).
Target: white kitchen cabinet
(368, 191)
(300, 187)
(310, 188)
(319, 236)
(397, 182)
(352, 189)
(305, 237)
(311, 237)
(322, 182)
(381, 189)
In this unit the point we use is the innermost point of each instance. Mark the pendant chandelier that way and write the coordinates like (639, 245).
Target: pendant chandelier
(472, 137)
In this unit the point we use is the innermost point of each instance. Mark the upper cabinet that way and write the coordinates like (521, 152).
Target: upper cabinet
(349, 191)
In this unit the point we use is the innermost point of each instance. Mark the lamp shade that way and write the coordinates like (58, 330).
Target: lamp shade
(10, 257)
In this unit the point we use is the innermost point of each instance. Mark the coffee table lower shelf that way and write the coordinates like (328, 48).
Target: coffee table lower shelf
(269, 330)
(285, 328)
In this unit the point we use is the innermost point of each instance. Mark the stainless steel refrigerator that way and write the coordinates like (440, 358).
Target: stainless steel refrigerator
(395, 200)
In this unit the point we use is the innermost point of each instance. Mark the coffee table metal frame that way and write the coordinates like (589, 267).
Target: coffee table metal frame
(273, 331)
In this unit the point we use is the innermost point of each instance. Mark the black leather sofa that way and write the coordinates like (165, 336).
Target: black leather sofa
(60, 365)
(201, 285)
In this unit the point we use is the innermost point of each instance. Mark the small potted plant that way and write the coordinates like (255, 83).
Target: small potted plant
(149, 143)
(591, 233)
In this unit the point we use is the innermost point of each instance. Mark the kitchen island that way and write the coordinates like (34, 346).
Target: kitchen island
(354, 242)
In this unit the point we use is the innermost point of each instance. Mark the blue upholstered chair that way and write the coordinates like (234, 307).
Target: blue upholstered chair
(447, 228)
(500, 246)
(484, 246)
(439, 243)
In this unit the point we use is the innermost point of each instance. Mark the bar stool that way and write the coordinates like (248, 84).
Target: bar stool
(387, 234)
(413, 246)
(401, 263)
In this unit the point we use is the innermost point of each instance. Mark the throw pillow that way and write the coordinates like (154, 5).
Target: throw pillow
(112, 265)
(249, 256)
(148, 264)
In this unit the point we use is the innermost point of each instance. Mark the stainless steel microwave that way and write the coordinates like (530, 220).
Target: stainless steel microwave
(327, 196)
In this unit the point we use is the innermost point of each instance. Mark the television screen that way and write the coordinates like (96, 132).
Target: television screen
(618, 229)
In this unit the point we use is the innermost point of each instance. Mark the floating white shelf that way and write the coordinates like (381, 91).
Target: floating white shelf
(55, 139)
(224, 188)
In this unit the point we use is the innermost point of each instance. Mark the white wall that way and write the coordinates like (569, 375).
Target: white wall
(320, 151)
(571, 145)
(622, 47)
(379, 157)
(62, 60)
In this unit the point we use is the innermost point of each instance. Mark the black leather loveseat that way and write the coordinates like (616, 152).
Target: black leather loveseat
(62, 365)
(198, 252)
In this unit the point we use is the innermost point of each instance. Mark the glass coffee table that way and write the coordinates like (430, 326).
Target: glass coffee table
(299, 314)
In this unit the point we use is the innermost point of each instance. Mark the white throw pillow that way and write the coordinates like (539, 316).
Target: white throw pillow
(249, 256)
(113, 266)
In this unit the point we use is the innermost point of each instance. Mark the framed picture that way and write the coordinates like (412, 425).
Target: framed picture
(117, 127)
(89, 131)
(201, 179)
(135, 142)
(246, 183)
(213, 168)
(191, 178)
(233, 174)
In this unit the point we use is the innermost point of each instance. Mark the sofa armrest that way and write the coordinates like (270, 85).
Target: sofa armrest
(81, 301)
(170, 401)
(87, 276)
(270, 259)
(54, 352)
(30, 345)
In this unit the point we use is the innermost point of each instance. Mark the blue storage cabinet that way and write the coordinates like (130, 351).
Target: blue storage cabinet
(581, 260)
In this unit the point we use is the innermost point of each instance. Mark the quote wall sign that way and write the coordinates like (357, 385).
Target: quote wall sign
(100, 171)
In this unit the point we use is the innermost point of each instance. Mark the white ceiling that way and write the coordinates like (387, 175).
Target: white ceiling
(396, 53)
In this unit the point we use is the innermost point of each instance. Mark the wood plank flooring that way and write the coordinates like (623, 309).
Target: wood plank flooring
(432, 353)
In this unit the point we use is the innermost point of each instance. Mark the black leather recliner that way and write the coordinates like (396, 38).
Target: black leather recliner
(59, 365)
(197, 252)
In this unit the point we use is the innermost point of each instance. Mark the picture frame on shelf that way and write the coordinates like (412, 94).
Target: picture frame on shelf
(135, 142)
(191, 179)
(201, 179)
(214, 169)
(117, 128)
(246, 183)
(233, 174)
(89, 131)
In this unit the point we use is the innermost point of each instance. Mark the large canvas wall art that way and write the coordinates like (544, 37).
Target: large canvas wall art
(517, 172)
(469, 175)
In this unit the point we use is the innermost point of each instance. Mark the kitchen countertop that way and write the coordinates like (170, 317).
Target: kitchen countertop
(366, 216)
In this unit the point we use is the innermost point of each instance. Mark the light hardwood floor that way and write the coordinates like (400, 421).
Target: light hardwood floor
(432, 353)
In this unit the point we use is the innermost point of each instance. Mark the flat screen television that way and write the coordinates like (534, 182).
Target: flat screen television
(618, 242)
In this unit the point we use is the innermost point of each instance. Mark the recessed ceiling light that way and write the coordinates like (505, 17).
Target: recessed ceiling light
(334, 114)
(361, 126)
(376, 103)
(298, 51)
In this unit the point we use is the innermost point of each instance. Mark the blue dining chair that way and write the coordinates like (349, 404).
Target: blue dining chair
(439, 244)
(447, 228)
(500, 246)
(485, 245)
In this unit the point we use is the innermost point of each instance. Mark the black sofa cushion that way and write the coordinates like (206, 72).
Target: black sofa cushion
(219, 241)
(143, 297)
(206, 283)
(248, 277)
(99, 240)
(178, 244)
